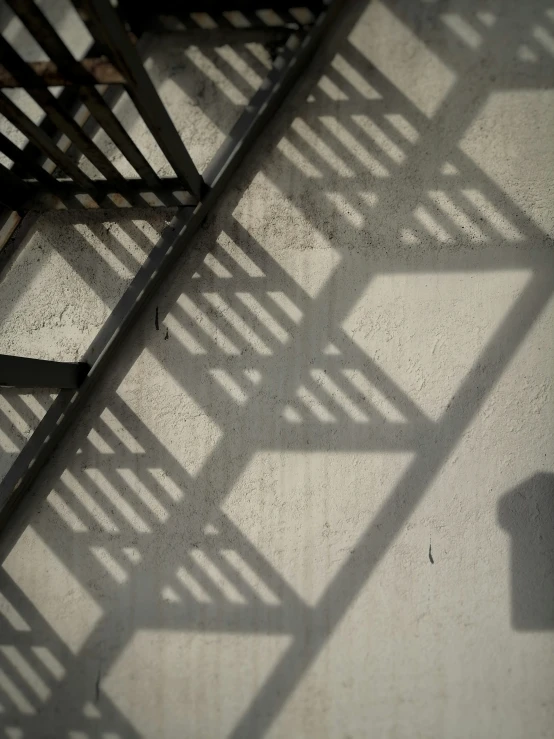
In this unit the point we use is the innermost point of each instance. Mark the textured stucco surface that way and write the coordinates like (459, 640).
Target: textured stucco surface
(318, 499)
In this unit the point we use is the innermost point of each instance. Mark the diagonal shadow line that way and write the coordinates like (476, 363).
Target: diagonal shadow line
(74, 689)
(34, 620)
(386, 384)
(386, 526)
(40, 634)
(229, 531)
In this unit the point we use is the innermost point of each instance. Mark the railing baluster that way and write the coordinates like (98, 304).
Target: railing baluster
(37, 89)
(108, 29)
(46, 36)
(43, 142)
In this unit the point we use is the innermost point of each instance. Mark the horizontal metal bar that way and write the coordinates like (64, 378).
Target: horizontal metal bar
(47, 37)
(100, 69)
(160, 263)
(40, 373)
(175, 7)
(167, 187)
(141, 89)
(223, 36)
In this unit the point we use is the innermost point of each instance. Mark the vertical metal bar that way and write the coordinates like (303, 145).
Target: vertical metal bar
(14, 193)
(46, 36)
(37, 89)
(105, 21)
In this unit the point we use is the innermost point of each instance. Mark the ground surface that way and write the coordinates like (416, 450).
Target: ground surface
(317, 499)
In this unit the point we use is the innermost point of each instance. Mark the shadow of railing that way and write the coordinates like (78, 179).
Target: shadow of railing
(241, 358)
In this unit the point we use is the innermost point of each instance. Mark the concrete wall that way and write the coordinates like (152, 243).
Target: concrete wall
(317, 499)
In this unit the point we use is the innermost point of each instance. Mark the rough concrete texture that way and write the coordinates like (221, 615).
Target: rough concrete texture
(317, 499)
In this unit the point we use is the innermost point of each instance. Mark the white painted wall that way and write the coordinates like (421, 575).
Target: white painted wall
(323, 505)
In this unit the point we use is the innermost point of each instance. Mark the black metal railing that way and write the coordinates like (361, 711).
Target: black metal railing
(291, 38)
(119, 64)
(113, 60)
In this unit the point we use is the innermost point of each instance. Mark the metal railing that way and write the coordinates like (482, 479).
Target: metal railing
(114, 60)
